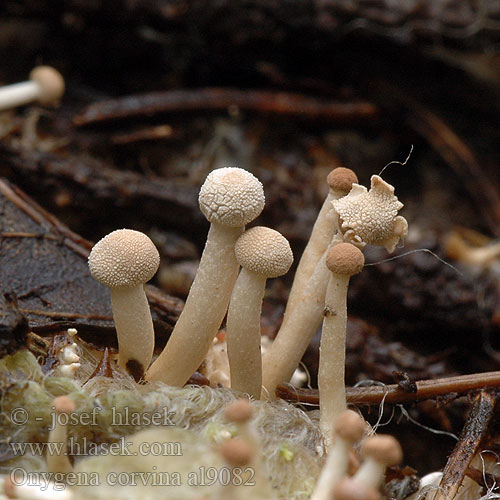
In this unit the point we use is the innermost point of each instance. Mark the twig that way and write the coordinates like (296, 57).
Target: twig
(426, 389)
(474, 430)
(261, 101)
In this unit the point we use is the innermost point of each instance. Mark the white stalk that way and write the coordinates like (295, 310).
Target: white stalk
(333, 471)
(323, 230)
(370, 474)
(132, 318)
(291, 342)
(243, 333)
(331, 373)
(204, 310)
(18, 94)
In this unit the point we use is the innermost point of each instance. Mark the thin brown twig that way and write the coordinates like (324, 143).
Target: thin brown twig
(426, 389)
(261, 101)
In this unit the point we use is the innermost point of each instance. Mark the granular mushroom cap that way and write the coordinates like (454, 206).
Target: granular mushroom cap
(345, 259)
(124, 258)
(350, 426)
(341, 179)
(384, 449)
(51, 82)
(264, 251)
(231, 196)
(370, 217)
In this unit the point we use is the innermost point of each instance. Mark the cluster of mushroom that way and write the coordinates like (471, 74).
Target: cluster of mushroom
(230, 198)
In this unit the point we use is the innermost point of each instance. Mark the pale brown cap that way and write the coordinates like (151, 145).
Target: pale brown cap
(384, 449)
(236, 452)
(239, 411)
(348, 489)
(231, 196)
(264, 251)
(51, 84)
(350, 426)
(341, 179)
(124, 258)
(345, 259)
(63, 404)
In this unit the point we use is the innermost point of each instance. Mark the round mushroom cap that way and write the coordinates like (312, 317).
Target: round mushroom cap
(341, 179)
(348, 489)
(264, 251)
(350, 426)
(51, 84)
(231, 196)
(236, 452)
(63, 404)
(345, 259)
(239, 411)
(384, 449)
(124, 258)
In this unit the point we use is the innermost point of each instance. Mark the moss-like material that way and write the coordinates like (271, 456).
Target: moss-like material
(119, 411)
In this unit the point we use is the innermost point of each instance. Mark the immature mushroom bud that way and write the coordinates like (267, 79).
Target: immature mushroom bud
(370, 217)
(349, 429)
(45, 85)
(348, 489)
(343, 260)
(262, 253)
(230, 198)
(379, 453)
(340, 181)
(236, 452)
(124, 261)
(58, 461)
(290, 344)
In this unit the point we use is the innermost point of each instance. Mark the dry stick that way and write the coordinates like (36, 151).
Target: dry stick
(262, 101)
(474, 430)
(426, 389)
(461, 159)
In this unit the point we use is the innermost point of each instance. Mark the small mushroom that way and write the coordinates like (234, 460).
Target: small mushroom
(379, 453)
(340, 181)
(124, 261)
(370, 217)
(45, 85)
(262, 253)
(230, 198)
(343, 260)
(58, 460)
(349, 429)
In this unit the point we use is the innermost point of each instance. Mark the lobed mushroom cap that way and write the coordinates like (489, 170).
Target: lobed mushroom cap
(231, 196)
(370, 217)
(384, 449)
(239, 411)
(350, 426)
(124, 258)
(341, 179)
(236, 452)
(264, 251)
(63, 404)
(348, 489)
(345, 259)
(51, 83)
